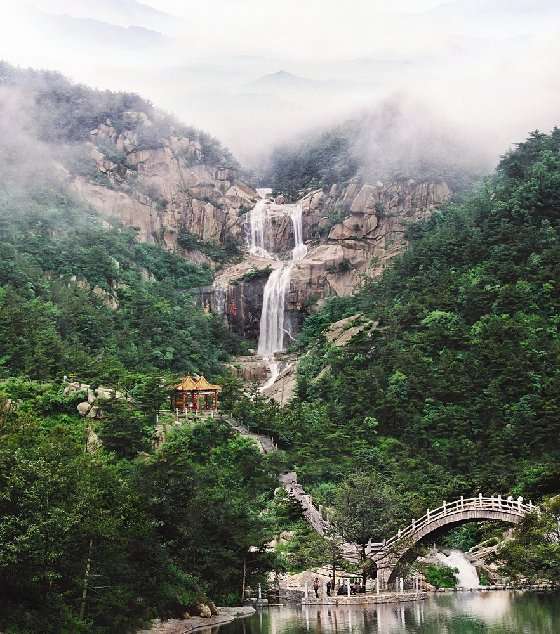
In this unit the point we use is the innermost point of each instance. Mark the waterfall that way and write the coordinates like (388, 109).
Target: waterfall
(300, 250)
(271, 332)
(257, 223)
(272, 329)
(467, 577)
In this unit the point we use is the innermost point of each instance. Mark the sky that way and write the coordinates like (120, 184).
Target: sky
(487, 67)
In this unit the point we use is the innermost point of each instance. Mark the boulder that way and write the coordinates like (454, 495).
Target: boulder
(341, 332)
(104, 393)
(83, 408)
(204, 611)
(251, 369)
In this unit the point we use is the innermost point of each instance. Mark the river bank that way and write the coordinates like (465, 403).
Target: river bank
(366, 599)
(185, 626)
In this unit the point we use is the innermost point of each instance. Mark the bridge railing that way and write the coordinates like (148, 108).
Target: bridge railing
(493, 503)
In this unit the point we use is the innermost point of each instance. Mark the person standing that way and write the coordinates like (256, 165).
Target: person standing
(316, 587)
(329, 585)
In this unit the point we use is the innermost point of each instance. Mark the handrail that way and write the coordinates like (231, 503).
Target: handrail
(492, 503)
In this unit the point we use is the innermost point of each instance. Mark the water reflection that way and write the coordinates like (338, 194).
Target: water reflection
(461, 613)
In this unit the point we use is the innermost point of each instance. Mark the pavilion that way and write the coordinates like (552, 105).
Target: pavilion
(195, 394)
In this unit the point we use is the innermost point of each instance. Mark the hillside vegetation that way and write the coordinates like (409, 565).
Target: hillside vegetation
(394, 142)
(453, 386)
(79, 297)
(100, 529)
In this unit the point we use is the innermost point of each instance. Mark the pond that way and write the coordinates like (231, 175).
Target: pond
(500, 612)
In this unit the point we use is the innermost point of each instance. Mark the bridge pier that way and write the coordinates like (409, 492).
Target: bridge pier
(383, 575)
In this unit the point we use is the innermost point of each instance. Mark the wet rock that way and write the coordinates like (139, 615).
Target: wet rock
(283, 388)
(250, 369)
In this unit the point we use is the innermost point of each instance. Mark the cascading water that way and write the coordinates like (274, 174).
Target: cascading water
(272, 328)
(467, 577)
(300, 250)
(271, 332)
(257, 222)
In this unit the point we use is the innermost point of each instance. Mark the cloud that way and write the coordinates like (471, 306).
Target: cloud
(490, 72)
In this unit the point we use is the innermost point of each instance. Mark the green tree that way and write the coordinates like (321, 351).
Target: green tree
(533, 554)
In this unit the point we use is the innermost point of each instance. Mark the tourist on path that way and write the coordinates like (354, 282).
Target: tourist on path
(316, 587)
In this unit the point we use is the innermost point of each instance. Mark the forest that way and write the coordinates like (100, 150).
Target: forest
(451, 388)
(391, 142)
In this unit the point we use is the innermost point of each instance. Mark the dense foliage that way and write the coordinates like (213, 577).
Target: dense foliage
(391, 142)
(102, 528)
(452, 386)
(77, 296)
(321, 160)
(440, 576)
(90, 542)
(534, 553)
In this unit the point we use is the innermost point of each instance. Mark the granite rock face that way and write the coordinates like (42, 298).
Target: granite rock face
(353, 231)
(168, 190)
(164, 188)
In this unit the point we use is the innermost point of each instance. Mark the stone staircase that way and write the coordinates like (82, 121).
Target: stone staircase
(314, 516)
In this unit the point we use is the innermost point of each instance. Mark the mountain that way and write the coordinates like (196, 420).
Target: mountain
(396, 140)
(87, 33)
(87, 178)
(441, 376)
(98, 321)
(124, 13)
(281, 81)
(288, 85)
(176, 185)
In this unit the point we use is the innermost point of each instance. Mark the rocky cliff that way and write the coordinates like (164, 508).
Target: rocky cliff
(172, 198)
(354, 229)
(181, 189)
(164, 188)
(351, 230)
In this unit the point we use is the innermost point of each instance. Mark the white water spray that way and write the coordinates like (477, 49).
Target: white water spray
(467, 577)
(300, 250)
(272, 328)
(257, 223)
(271, 332)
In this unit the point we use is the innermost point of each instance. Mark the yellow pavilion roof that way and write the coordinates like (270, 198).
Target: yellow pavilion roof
(196, 384)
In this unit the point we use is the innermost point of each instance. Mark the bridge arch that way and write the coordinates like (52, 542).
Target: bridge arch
(388, 554)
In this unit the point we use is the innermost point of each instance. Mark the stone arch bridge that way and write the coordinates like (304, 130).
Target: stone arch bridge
(388, 554)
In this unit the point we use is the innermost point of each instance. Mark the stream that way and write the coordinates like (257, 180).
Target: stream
(467, 577)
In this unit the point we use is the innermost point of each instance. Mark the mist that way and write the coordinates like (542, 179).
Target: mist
(256, 75)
